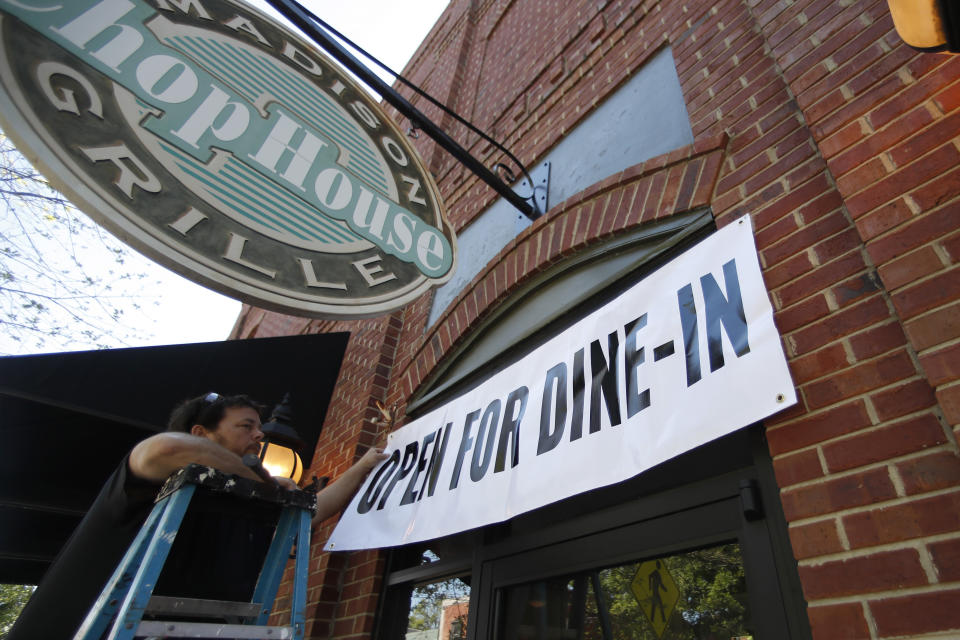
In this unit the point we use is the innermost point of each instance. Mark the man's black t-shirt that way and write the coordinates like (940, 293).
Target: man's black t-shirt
(81, 569)
(218, 553)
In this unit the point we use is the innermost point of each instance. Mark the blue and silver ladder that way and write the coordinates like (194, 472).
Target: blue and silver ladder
(129, 593)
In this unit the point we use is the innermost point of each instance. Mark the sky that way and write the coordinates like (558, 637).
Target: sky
(179, 311)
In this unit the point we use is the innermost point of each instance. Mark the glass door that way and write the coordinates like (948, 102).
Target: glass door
(694, 595)
(695, 549)
(698, 562)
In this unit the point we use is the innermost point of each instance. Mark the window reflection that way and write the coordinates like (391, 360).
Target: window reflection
(439, 610)
(699, 595)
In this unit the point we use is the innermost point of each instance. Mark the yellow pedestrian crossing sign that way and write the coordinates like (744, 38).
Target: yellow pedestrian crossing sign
(656, 592)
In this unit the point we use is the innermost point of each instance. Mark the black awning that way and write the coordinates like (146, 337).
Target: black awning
(66, 419)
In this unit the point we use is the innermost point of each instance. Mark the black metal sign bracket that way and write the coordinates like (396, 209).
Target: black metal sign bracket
(308, 24)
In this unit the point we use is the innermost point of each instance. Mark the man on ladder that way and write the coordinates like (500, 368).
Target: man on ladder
(211, 430)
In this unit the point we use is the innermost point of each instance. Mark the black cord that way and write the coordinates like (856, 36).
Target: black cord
(430, 99)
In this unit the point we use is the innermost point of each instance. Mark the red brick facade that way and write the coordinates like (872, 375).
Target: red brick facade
(843, 145)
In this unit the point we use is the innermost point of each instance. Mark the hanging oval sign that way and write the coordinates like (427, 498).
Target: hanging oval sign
(211, 138)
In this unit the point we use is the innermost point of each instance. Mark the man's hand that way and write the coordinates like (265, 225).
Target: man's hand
(287, 483)
(371, 458)
(337, 494)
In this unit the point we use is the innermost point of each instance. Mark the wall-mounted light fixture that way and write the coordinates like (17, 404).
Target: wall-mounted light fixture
(278, 453)
(927, 25)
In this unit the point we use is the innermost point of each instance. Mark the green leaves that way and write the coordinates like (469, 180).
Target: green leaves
(12, 599)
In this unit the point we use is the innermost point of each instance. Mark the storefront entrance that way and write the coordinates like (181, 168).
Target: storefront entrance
(695, 549)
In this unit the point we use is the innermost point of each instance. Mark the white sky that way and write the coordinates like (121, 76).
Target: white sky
(181, 311)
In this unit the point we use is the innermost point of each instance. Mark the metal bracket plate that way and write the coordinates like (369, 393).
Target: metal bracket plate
(540, 188)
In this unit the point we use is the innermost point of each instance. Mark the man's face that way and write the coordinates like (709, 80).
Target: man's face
(238, 430)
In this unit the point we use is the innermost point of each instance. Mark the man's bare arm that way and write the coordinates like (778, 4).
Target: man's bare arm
(158, 456)
(338, 493)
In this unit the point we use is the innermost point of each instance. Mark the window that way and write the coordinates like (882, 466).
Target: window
(644, 118)
(685, 596)
(439, 610)
(557, 298)
(429, 587)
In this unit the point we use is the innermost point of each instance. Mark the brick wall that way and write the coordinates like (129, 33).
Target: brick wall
(842, 145)
(342, 589)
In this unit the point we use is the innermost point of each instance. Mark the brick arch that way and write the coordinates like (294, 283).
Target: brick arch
(673, 183)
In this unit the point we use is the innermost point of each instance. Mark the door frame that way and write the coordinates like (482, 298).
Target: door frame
(688, 518)
(724, 491)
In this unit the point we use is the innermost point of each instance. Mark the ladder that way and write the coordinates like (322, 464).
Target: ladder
(128, 596)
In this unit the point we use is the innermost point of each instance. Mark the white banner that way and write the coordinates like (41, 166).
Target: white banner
(685, 356)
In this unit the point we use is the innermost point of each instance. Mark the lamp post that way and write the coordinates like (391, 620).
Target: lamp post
(278, 453)
(927, 25)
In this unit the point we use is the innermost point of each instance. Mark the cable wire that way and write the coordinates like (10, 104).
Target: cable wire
(337, 34)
